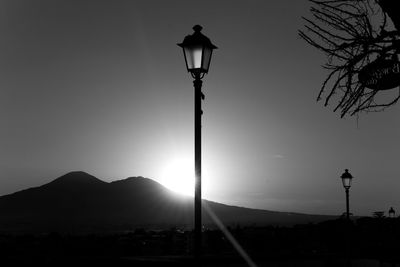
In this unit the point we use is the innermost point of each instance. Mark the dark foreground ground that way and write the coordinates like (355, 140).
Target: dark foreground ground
(365, 242)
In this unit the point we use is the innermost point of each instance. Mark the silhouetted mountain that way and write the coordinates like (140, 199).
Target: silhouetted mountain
(79, 202)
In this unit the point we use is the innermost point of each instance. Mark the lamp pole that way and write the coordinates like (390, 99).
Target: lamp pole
(198, 95)
(347, 204)
(197, 49)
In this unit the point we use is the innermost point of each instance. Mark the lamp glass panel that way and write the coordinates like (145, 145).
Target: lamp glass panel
(206, 58)
(346, 182)
(193, 57)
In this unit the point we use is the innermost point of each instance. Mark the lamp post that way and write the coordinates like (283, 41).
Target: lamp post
(392, 212)
(346, 180)
(197, 50)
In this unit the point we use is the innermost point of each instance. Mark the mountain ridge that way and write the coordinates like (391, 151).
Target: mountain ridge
(78, 200)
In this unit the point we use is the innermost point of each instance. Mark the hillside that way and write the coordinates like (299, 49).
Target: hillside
(79, 202)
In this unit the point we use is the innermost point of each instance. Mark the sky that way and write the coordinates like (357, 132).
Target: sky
(102, 87)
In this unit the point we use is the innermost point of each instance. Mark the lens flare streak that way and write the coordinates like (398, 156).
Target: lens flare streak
(229, 236)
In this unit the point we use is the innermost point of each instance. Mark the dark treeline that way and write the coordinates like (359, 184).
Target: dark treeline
(364, 238)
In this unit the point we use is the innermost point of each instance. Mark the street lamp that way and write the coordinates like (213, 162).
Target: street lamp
(346, 180)
(197, 50)
(391, 212)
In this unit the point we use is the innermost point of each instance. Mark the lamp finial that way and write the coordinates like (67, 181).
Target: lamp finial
(197, 28)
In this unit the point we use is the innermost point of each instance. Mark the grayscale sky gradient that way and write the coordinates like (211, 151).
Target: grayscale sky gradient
(100, 86)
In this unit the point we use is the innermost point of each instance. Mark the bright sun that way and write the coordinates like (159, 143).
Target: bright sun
(178, 175)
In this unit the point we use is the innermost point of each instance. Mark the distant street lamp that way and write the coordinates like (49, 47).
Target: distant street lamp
(346, 180)
(197, 50)
(392, 213)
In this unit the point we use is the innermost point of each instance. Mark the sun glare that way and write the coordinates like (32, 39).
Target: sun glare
(179, 177)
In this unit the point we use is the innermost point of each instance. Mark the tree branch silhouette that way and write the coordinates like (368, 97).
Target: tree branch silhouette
(352, 34)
